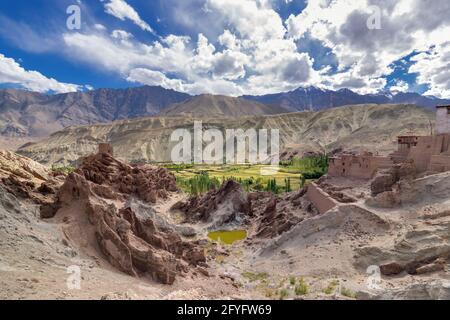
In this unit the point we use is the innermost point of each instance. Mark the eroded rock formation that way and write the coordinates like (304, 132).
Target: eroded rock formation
(96, 193)
(218, 207)
(27, 179)
(145, 182)
(264, 214)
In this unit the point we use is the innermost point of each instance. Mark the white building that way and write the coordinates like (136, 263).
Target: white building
(443, 119)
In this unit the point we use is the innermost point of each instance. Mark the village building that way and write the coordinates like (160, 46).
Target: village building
(427, 153)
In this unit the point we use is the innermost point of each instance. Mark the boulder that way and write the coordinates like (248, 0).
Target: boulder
(382, 182)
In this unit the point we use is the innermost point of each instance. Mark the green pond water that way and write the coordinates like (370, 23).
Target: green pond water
(228, 237)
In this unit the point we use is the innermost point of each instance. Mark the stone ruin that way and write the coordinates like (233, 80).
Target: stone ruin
(106, 148)
(427, 153)
(416, 155)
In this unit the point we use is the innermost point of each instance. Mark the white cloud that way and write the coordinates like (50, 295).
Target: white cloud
(122, 10)
(433, 69)
(99, 27)
(121, 34)
(400, 86)
(251, 19)
(256, 52)
(154, 78)
(341, 25)
(12, 73)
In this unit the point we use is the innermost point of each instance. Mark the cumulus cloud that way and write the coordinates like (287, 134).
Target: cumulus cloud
(123, 11)
(246, 47)
(121, 34)
(399, 86)
(433, 68)
(154, 78)
(244, 60)
(12, 73)
(406, 26)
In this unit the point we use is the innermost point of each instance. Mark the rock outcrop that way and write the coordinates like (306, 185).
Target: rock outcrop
(434, 290)
(227, 205)
(145, 182)
(27, 179)
(408, 190)
(263, 214)
(423, 249)
(273, 215)
(386, 179)
(94, 198)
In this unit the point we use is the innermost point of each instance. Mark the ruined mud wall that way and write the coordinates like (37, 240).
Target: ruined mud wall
(440, 163)
(426, 148)
(357, 166)
(321, 200)
(443, 120)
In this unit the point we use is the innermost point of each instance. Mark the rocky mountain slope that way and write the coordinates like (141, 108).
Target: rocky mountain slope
(312, 98)
(369, 127)
(29, 114)
(222, 106)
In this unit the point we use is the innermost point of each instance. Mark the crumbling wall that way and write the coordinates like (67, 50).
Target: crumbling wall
(440, 163)
(106, 148)
(320, 199)
(362, 166)
(443, 120)
(428, 151)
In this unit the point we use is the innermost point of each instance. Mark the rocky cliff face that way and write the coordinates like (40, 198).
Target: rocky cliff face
(27, 179)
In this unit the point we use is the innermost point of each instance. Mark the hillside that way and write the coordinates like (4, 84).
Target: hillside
(370, 127)
(223, 106)
(29, 116)
(26, 114)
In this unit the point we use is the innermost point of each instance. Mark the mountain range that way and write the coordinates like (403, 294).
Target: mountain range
(314, 99)
(360, 127)
(220, 106)
(29, 116)
(24, 113)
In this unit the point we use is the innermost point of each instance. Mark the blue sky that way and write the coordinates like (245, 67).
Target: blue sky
(232, 47)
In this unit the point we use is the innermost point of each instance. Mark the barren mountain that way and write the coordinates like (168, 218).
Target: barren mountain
(369, 127)
(28, 114)
(223, 106)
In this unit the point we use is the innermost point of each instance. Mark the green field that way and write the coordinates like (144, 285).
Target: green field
(291, 176)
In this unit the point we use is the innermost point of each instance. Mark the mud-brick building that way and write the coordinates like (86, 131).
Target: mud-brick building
(360, 166)
(428, 153)
(443, 120)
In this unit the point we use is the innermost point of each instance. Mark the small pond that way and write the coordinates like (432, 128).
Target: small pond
(228, 237)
